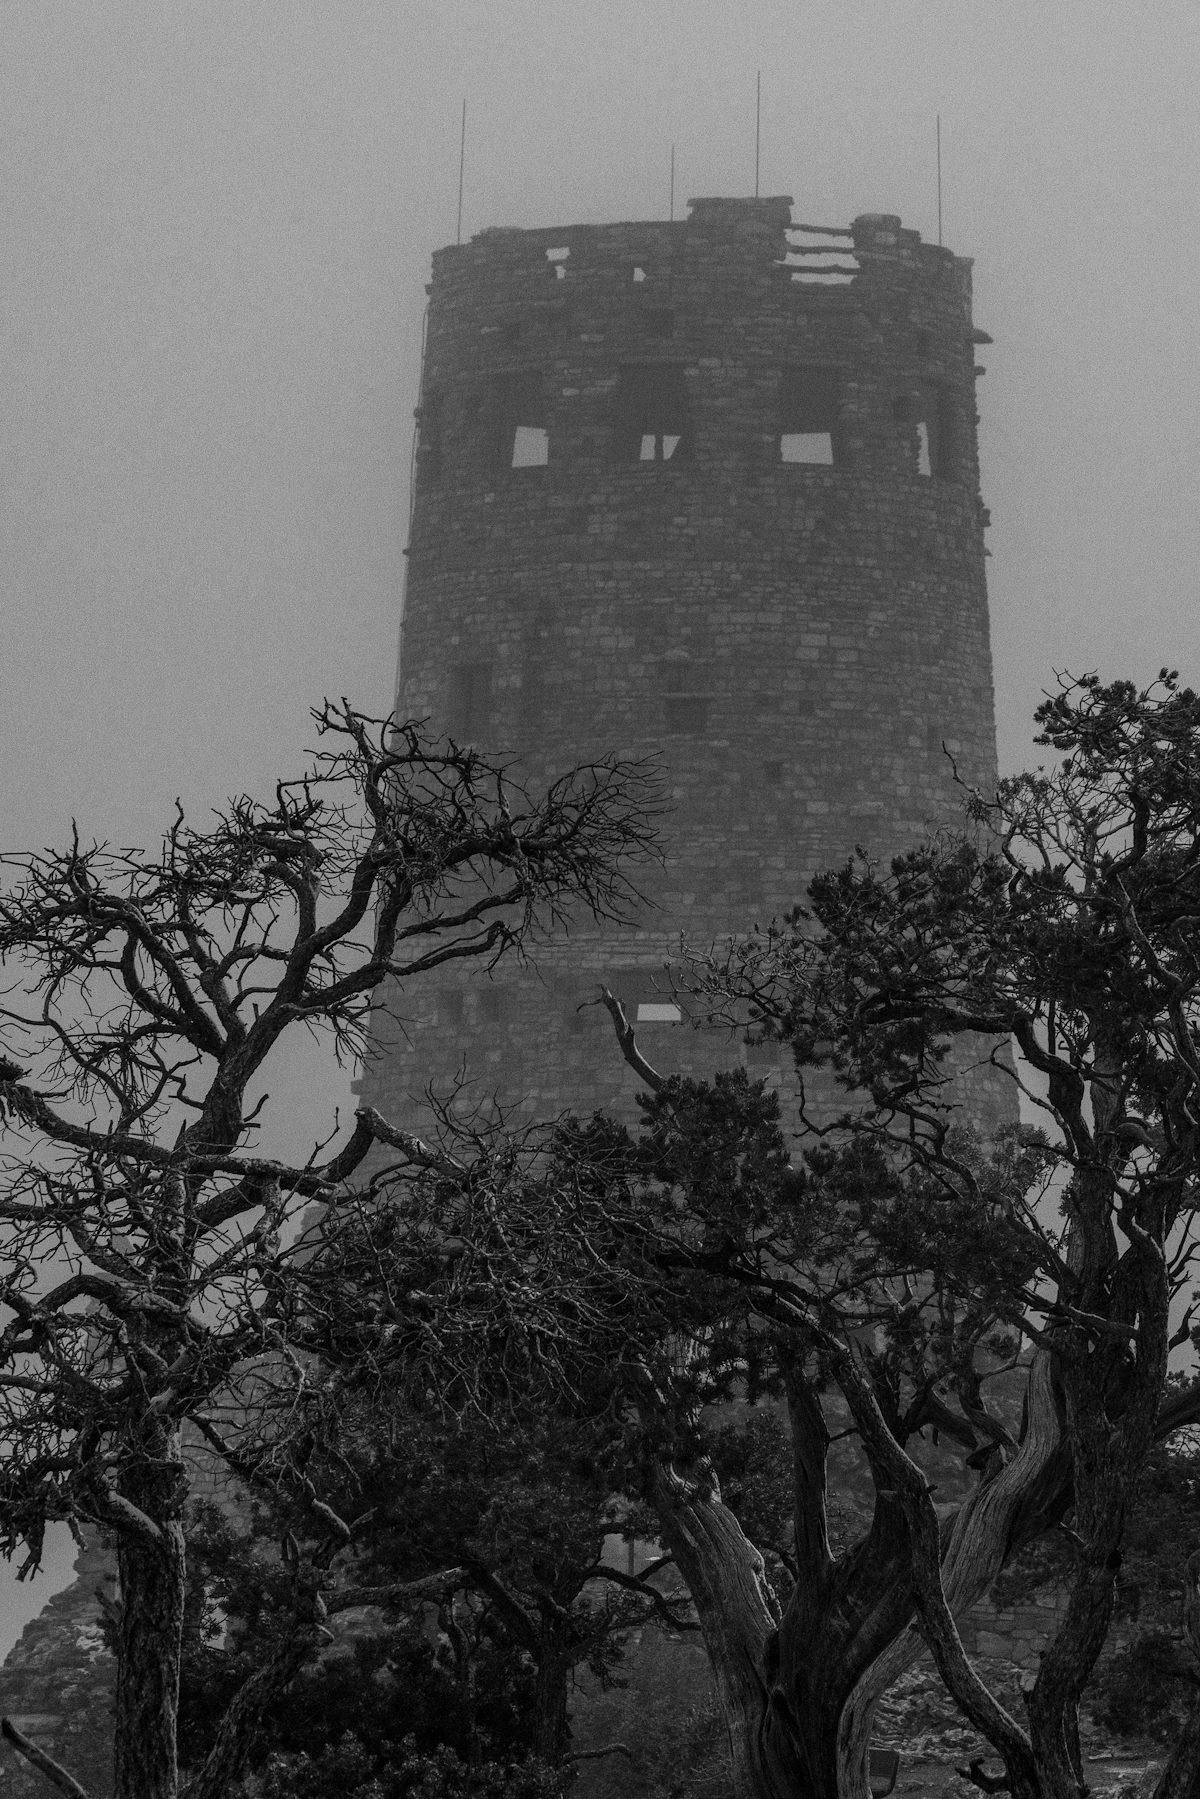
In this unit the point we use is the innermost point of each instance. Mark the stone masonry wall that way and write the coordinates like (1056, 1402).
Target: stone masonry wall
(799, 643)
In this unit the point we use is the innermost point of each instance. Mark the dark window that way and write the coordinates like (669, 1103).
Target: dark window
(491, 1006)
(429, 436)
(519, 429)
(687, 715)
(808, 416)
(450, 1006)
(745, 881)
(820, 540)
(685, 697)
(651, 415)
(772, 774)
(658, 321)
(469, 701)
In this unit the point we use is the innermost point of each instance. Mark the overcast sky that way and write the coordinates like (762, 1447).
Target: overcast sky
(217, 222)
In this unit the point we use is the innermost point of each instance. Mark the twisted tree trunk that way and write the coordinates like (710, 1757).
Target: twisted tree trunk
(782, 1680)
(1025, 1497)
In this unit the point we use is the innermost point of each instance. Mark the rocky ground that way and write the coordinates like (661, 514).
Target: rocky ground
(922, 1723)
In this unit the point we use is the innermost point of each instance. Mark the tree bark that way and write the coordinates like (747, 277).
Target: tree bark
(550, 1729)
(726, 1577)
(226, 1760)
(150, 1635)
(1021, 1500)
(147, 1510)
(782, 1682)
(1180, 1778)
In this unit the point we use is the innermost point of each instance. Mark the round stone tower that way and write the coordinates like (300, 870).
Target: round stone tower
(705, 490)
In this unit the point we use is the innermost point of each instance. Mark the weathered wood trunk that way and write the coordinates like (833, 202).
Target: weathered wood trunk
(782, 1681)
(1180, 1778)
(1021, 1499)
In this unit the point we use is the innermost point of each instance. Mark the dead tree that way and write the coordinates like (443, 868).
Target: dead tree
(146, 1242)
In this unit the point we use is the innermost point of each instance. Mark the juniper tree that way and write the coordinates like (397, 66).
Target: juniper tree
(1058, 939)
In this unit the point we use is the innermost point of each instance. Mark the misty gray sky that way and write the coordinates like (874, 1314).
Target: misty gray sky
(217, 222)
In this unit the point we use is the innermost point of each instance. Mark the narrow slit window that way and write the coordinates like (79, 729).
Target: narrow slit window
(651, 414)
(929, 414)
(808, 416)
(429, 437)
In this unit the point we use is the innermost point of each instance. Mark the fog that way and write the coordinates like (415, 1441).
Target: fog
(217, 222)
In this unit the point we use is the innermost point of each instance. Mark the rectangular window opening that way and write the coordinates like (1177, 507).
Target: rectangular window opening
(530, 447)
(935, 433)
(808, 417)
(658, 1012)
(519, 427)
(659, 448)
(491, 1006)
(639, 273)
(806, 446)
(651, 414)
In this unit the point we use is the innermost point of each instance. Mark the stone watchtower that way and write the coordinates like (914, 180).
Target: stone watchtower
(707, 490)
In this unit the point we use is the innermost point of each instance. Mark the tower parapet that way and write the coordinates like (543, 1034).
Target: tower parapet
(706, 490)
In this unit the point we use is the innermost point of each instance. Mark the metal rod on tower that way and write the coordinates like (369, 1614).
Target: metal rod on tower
(462, 157)
(757, 126)
(672, 184)
(939, 173)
